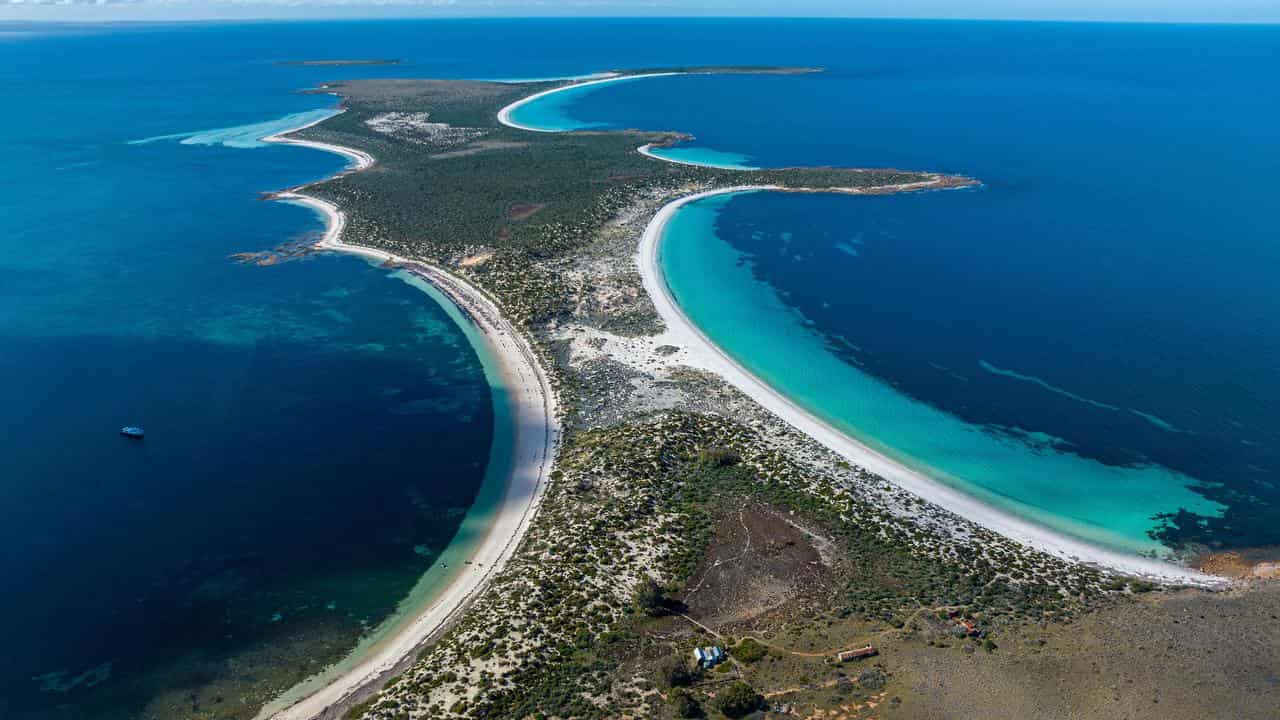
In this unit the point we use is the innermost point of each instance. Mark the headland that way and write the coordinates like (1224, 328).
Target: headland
(670, 452)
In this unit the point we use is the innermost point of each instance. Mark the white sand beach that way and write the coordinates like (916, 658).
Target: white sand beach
(360, 160)
(504, 115)
(538, 433)
(647, 151)
(537, 437)
(705, 355)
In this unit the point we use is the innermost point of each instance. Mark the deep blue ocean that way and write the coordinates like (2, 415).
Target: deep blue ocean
(317, 429)
(1089, 339)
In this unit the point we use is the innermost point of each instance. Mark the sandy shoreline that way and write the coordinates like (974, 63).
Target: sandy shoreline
(647, 151)
(504, 115)
(706, 355)
(537, 435)
(360, 160)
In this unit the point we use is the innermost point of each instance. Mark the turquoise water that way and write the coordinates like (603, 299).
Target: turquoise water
(706, 156)
(551, 112)
(1020, 469)
(453, 559)
(244, 137)
(318, 431)
(554, 112)
(1088, 338)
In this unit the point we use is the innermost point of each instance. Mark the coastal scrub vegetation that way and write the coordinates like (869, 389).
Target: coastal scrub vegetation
(678, 516)
(449, 175)
(559, 631)
(738, 700)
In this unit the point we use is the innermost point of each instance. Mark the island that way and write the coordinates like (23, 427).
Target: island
(683, 549)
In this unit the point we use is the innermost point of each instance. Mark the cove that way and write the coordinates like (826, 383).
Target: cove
(1098, 303)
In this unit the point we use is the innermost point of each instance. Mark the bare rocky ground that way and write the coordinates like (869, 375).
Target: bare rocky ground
(761, 560)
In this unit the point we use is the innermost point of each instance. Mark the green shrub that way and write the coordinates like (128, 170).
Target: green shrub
(749, 651)
(357, 711)
(738, 700)
(650, 598)
(684, 705)
(718, 457)
(675, 672)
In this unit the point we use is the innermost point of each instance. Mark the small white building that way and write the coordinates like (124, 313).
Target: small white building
(708, 657)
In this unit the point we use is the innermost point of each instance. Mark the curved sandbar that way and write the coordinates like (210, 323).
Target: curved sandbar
(705, 354)
(504, 115)
(537, 437)
(647, 151)
(360, 160)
